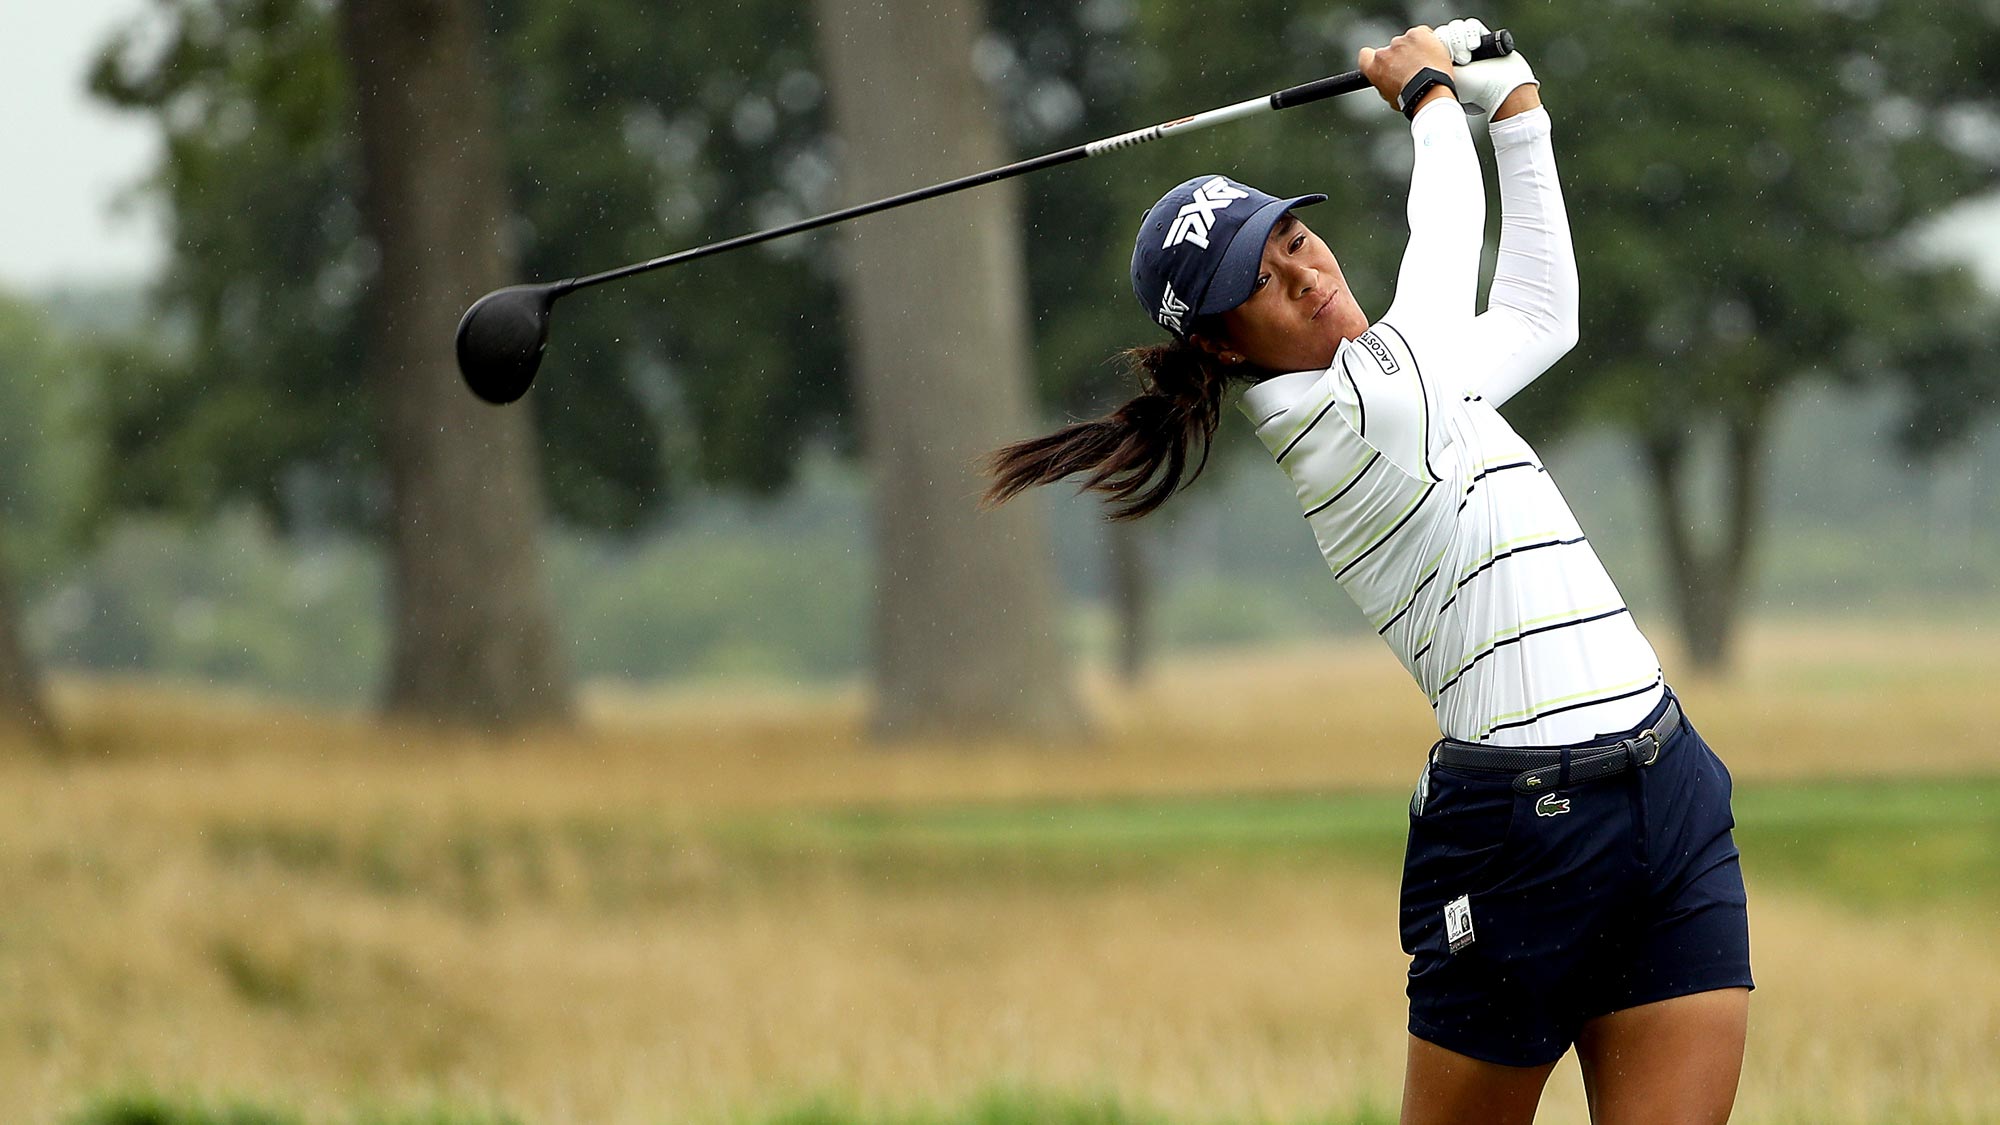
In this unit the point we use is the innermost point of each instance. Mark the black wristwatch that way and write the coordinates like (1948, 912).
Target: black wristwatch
(1420, 84)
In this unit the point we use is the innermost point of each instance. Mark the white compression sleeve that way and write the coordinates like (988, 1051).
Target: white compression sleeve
(1531, 315)
(1439, 278)
(1412, 361)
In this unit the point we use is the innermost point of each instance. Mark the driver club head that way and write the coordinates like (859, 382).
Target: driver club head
(501, 339)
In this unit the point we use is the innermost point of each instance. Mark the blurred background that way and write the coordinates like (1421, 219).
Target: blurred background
(683, 745)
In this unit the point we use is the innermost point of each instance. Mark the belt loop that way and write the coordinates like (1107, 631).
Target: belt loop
(1562, 777)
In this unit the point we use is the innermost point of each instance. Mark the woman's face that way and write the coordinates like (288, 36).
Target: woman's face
(1299, 312)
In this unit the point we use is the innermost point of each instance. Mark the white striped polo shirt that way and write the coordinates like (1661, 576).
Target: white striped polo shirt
(1435, 516)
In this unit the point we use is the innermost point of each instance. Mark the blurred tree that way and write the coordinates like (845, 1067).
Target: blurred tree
(297, 208)
(277, 257)
(621, 140)
(50, 464)
(966, 634)
(474, 637)
(52, 443)
(1741, 200)
(21, 705)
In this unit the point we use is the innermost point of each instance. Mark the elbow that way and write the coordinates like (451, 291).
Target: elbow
(1551, 340)
(1565, 326)
(1563, 337)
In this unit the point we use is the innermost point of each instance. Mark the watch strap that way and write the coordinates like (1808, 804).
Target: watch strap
(1420, 84)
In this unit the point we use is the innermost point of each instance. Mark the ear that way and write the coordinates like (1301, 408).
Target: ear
(1216, 346)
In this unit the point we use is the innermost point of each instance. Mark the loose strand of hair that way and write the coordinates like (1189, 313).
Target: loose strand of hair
(1137, 456)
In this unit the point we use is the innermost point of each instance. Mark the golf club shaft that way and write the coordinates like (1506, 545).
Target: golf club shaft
(1492, 46)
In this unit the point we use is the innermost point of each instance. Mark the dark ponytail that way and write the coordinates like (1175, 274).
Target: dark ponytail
(1138, 454)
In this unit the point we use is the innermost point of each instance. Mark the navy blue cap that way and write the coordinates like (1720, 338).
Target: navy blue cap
(1200, 247)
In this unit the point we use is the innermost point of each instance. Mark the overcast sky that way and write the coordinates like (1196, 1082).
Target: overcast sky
(68, 160)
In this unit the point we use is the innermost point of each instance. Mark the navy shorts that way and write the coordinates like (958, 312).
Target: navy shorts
(1587, 899)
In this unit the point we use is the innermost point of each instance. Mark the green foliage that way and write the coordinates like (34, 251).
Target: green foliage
(52, 462)
(778, 593)
(227, 602)
(265, 401)
(1740, 218)
(623, 141)
(722, 594)
(632, 134)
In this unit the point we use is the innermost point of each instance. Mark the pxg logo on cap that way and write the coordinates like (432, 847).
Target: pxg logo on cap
(1199, 248)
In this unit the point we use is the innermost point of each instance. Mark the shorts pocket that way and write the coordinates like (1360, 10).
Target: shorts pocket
(1455, 843)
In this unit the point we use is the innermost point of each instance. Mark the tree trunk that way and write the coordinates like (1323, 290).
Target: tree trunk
(474, 638)
(21, 706)
(1131, 596)
(966, 637)
(1707, 581)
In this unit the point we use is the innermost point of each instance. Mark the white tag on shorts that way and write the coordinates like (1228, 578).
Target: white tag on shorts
(1458, 922)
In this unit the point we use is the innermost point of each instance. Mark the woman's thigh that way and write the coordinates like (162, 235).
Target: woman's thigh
(1671, 1062)
(1442, 1087)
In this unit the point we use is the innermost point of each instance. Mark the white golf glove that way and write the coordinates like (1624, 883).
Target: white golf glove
(1482, 85)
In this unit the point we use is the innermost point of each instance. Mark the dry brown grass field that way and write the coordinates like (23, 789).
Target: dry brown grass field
(221, 894)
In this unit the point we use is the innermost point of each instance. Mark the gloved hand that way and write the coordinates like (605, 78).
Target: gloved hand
(1482, 85)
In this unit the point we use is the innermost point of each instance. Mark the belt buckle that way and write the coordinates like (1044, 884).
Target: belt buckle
(1648, 735)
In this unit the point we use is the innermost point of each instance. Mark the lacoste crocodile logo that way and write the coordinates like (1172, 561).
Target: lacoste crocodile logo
(1551, 805)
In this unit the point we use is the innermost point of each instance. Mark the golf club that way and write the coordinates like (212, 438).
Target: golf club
(502, 336)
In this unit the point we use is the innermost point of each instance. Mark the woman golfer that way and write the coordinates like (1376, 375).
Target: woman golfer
(1570, 876)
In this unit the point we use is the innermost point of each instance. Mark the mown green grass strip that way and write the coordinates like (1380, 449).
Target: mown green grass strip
(1868, 842)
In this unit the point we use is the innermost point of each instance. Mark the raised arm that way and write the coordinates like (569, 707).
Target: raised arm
(1410, 362)
(1531, 316)
(1531, 310)
(1438, 282)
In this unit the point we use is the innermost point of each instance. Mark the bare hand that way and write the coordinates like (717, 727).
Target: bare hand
(1390, 68)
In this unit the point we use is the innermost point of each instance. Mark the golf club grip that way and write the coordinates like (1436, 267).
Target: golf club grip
(1491, 46)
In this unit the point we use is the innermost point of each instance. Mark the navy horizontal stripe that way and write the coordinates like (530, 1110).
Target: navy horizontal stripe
(1517, 639)
(1413, 599)
(1293, 444)
(1318, 508)
(1488, 565)
(1657, 680)
(1400, 524)
(1489, 472)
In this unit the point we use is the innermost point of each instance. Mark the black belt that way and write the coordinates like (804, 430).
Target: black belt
(1542, 768)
